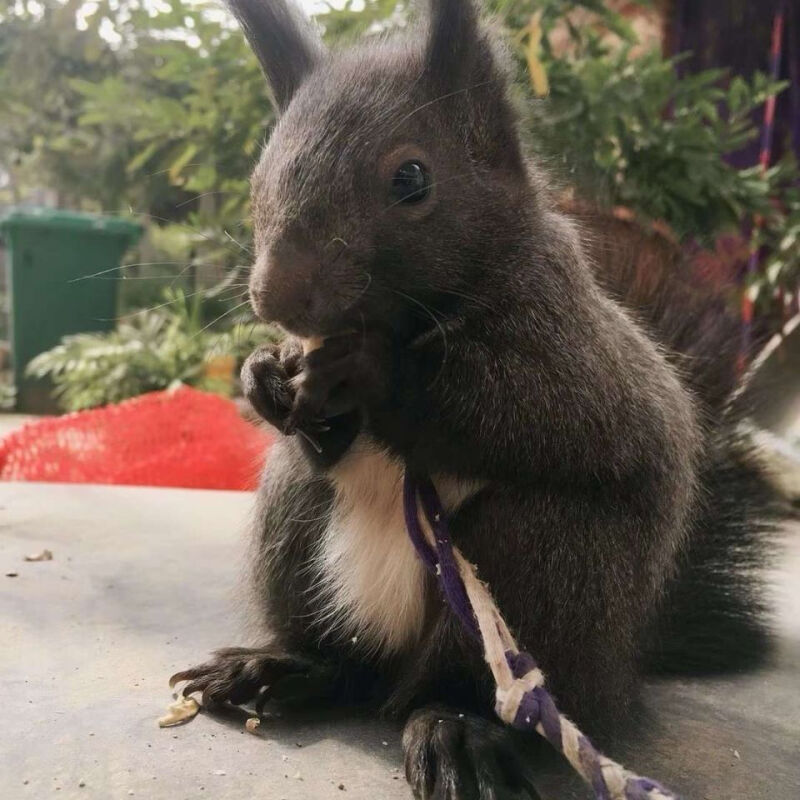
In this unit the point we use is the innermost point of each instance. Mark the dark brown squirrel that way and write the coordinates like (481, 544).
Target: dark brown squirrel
(567, 410)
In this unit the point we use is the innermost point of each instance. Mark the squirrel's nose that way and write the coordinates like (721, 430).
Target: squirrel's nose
(281, 282)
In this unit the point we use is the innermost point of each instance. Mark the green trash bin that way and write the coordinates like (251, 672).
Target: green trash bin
(50, 254)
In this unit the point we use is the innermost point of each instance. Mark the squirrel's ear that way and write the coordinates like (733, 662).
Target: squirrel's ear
(283, 41)
(453, 41)
(461, 56)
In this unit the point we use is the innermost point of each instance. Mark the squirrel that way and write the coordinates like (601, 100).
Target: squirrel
(567, 396)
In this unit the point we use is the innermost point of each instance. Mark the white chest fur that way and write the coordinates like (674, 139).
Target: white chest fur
(371, 580)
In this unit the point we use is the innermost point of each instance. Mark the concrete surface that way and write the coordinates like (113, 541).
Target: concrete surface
(140, 585)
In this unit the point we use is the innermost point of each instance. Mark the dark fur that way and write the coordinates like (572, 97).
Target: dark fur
(283, 42)
(714, 616)
(484, 348)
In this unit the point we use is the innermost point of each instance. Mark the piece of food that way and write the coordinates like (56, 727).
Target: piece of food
(312, 343)
(252, 725)
(44, 555)
(180, 712)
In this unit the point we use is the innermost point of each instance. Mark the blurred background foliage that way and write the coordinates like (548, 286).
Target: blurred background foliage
(152, 349)
(158, 109)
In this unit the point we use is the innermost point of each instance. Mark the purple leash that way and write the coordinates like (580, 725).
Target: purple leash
(522, 700)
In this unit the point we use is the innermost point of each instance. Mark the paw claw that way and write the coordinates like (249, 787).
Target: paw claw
(179, 677)
(238, 675)
(264, 695)
(313, 442)
(191, 688)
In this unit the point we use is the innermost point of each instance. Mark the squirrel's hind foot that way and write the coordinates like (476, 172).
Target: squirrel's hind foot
(453, 756)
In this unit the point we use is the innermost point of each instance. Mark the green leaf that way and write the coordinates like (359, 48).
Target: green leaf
(177, 165)
(142, 157)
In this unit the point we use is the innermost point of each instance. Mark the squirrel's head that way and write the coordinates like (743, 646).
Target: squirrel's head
(393, 176)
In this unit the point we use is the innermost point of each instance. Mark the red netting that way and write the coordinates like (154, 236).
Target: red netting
(174, 438)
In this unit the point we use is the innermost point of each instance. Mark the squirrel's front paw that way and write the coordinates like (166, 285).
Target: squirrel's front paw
(346, 373)
(240, 674)
(266, 383)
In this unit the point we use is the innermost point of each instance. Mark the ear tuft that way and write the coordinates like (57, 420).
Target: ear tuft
(453, 41)
(284, 42)
(466, 63)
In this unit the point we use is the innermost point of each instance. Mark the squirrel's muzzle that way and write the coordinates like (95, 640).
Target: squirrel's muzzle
(282, 283)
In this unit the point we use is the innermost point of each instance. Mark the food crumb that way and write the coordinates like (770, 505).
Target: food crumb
(12, 574)
(252, 725)
(340, 787)
(181, 711)
(44, 555)
(220, 772)
(81, 784)
(284, 757)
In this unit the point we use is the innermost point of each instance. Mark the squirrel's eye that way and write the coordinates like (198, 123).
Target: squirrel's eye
(411, 183)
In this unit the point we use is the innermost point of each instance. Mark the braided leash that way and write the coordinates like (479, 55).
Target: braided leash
(521, 699)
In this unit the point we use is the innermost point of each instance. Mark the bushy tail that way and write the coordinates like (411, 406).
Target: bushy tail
(714, 616)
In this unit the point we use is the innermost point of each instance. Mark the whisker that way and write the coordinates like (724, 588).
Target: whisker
(221, 316)
(366, 288)
(199, 196)
(130, 266)
(436, 322)
(479, 301)
(184, 225)
(338, 239)
(236, 242)
(151, 308)
(439, 99)
(168, 169)
(142, 278)
(184, 271)
(166, 303)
